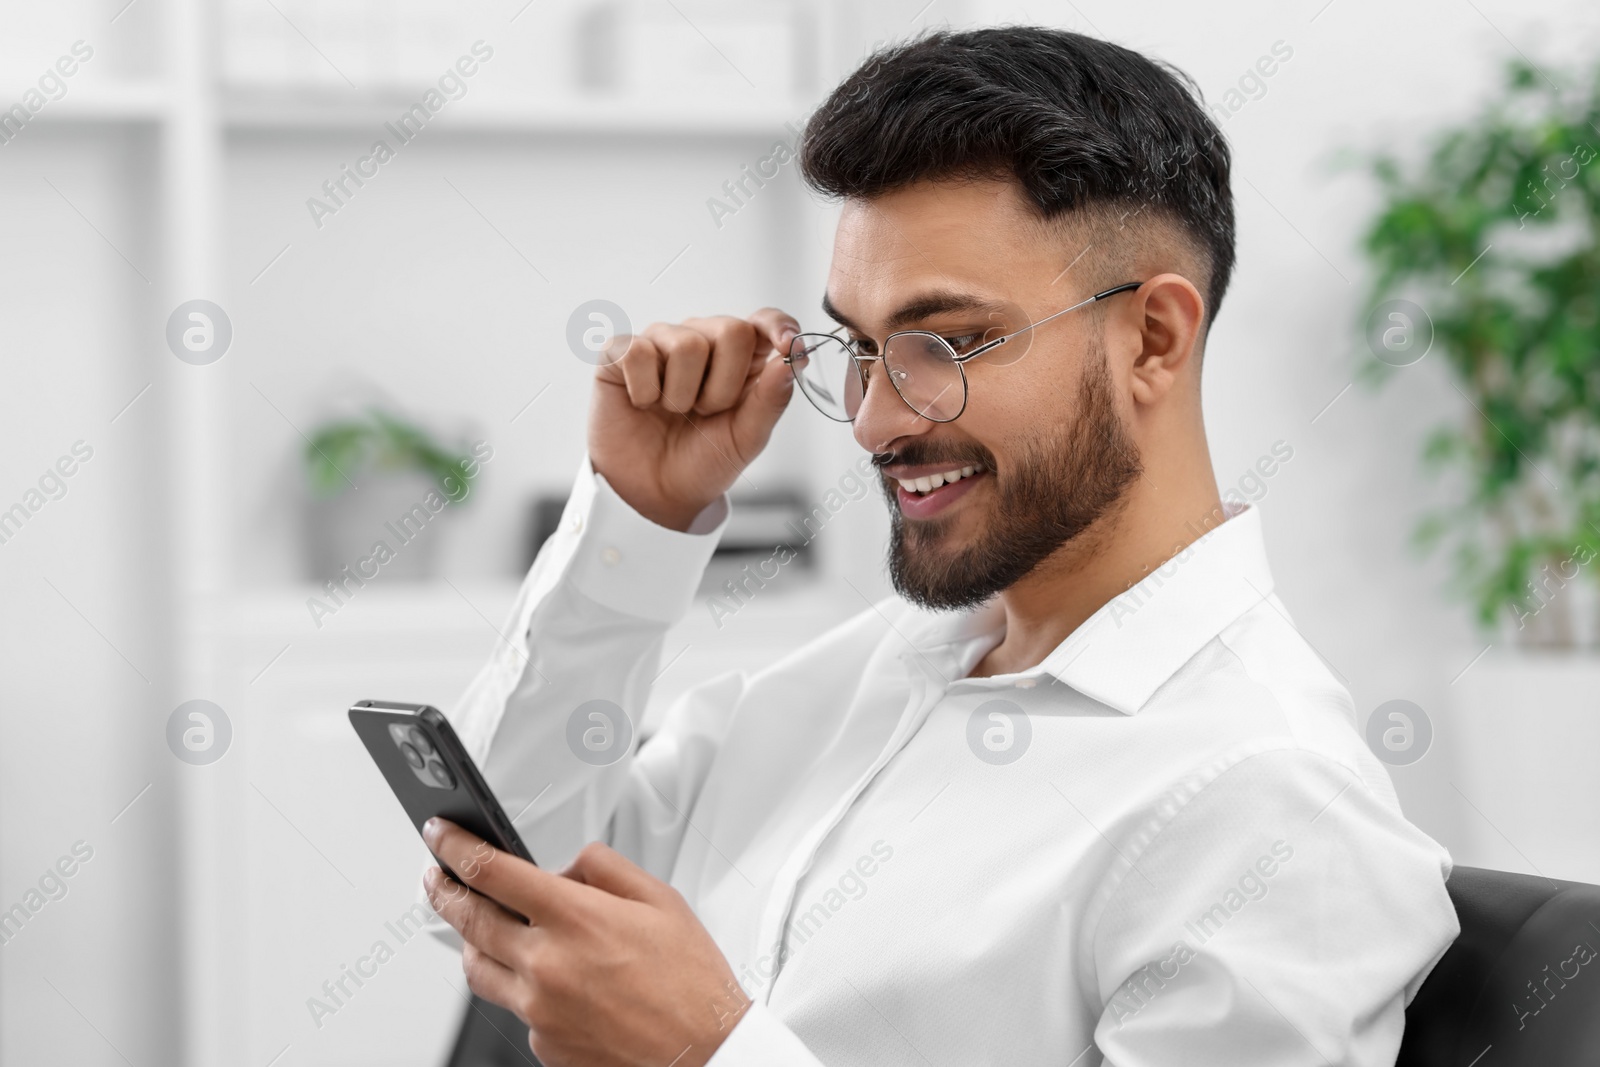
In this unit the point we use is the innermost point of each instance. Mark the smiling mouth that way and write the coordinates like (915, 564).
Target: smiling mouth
(927, 484)
(933, 494)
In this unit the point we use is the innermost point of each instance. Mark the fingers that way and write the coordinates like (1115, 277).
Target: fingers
(776, 328)
(515, 883)
(493, 980)
(753, 420)
(640, 369)
(701, 365)
(733, 347)
(685, 354)
(479, 920)
(603, 867)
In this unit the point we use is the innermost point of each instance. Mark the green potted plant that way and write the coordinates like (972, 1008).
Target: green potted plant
(1494, 236)
(1486, 252)
(378, 482)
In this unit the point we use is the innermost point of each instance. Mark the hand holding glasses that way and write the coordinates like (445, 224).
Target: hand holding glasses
(925, 369)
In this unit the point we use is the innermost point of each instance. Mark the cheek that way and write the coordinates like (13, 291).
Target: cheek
(1026, 396)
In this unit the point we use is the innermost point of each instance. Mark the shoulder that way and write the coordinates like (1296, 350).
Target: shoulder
(1260, 686)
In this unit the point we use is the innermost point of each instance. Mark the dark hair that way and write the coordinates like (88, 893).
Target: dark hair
(1087, 127)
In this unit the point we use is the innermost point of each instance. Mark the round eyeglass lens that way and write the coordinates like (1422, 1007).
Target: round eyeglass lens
(826, 373)
(926, 375)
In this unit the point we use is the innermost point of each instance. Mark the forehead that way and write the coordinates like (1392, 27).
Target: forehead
(977, 236)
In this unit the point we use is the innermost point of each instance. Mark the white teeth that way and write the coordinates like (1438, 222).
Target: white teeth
(934, 481)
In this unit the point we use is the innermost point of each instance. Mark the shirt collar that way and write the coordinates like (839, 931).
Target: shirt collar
(1126, 650)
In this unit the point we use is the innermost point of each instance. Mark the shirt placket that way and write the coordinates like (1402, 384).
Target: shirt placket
(925, 694)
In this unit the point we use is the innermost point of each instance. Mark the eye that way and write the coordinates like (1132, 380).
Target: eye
(863, 346)
(964, 343)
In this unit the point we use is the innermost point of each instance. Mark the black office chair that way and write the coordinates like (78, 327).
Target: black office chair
(491, 1036)
(1514, 989)
(1478, 1007)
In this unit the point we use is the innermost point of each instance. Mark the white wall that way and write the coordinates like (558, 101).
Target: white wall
(83, 638)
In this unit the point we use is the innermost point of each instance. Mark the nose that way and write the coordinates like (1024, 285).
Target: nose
(883, 417)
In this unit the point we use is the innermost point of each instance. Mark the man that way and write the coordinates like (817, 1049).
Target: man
(1080, 794)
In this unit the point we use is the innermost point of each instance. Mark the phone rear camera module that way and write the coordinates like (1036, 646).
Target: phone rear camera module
(422, 755)
(441, 774)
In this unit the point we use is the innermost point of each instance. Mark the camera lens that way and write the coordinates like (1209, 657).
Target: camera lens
(441, 774)
(413, 757)
(420, 739)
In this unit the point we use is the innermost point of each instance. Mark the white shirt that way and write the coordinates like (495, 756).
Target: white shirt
(1169, 845)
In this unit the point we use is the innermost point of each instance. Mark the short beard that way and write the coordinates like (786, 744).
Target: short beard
(1053, 493)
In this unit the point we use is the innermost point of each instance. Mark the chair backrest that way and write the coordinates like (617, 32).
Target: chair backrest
(1521, 984)
(491, 1036)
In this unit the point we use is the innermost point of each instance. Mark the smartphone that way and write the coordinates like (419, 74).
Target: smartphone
(430, 772)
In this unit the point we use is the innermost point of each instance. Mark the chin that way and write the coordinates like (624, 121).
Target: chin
(932, 565)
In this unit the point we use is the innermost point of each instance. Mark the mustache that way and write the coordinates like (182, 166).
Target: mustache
(916, 453)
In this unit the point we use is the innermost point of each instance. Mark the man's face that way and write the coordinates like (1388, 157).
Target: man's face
(1040, 451)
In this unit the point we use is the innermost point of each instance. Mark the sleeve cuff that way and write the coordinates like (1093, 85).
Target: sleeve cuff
(625, 562)
(759, 1039)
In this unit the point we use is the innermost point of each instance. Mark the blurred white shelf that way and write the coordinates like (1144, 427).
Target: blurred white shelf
(152, 102)
(141, 101)
(335, 111)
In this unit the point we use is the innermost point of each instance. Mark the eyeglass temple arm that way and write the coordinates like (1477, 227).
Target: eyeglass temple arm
(981, 349)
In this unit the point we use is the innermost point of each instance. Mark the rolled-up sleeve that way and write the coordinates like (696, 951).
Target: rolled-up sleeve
(1276, 910)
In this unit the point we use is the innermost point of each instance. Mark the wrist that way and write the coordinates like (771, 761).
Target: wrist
(651, 504)
(678, 517)
(727, 1010)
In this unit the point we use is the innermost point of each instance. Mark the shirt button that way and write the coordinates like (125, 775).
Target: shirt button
(1027, 683)
(610, 556)
(576, 524)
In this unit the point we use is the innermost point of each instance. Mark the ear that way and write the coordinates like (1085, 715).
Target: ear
(1170, 308)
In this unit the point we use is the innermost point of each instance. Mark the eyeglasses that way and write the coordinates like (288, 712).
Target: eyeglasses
(927, 370)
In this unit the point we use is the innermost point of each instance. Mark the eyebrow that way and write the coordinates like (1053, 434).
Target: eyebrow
(926, 305)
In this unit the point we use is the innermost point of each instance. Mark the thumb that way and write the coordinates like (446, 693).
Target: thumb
(756, 415)
(606, 869)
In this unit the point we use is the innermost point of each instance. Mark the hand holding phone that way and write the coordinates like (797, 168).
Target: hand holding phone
(431, 773)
